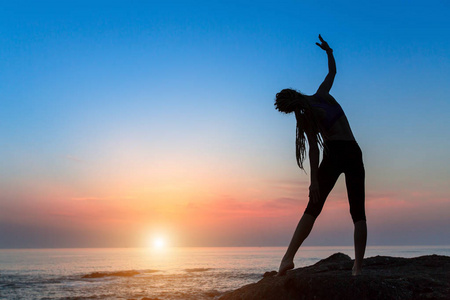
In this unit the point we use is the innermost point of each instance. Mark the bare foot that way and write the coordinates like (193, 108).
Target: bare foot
(284, 267)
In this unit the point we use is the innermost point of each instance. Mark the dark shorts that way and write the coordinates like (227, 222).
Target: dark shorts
(341, 157)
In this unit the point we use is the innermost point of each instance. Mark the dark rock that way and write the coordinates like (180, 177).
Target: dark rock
(212, 294)
(425, 277)
(270, 274)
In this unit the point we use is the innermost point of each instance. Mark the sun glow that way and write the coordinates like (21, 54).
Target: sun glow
(159, 243)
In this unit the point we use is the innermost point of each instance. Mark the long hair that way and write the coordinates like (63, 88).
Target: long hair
(288, 101)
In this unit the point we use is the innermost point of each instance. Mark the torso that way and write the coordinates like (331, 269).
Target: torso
(332, 120)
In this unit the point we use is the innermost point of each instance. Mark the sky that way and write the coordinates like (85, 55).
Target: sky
(123, 121)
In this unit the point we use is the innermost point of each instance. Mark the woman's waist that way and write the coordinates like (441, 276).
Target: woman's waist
(340, 131)
(340, 142)
(341, 147)
(338, 138)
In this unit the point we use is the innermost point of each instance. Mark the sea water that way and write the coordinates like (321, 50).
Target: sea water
(172, 273)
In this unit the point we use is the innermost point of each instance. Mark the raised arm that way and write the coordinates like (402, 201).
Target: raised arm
(326, 85)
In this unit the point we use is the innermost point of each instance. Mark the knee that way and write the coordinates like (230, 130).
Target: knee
(357, 211)
(313, 211)
(358, 217)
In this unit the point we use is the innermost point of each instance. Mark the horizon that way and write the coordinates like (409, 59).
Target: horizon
(125, 123)
(306, 247)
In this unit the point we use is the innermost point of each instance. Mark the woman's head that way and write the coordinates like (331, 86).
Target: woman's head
(289, 100)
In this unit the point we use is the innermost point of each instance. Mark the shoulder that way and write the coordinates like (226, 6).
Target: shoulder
(312, 98)
(325, 97)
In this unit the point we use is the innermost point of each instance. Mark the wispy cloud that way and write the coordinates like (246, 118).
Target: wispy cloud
(232, 208)
(88, 199)
(99, 198)
(74, 158)
(289, 185)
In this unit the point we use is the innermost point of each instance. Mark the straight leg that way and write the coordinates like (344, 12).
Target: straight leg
(354, 179)
(327, 176)
(301, 233)
(360, 239)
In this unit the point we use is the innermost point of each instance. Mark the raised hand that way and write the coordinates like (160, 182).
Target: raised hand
(324, 45)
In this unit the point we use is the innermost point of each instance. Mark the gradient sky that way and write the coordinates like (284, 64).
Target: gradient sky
(124, 120)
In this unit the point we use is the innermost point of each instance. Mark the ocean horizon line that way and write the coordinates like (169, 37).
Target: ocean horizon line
(224, 247)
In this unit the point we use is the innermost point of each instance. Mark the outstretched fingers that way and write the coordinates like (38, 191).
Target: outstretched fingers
(321, 39)
(324, 45)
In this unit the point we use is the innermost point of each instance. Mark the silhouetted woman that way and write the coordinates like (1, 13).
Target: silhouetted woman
(321, 121)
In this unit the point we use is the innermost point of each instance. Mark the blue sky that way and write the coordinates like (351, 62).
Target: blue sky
(93, 90)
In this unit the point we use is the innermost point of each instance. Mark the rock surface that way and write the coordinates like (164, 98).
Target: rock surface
(425, 277)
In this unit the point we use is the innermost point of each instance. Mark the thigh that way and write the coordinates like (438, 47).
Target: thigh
(355, 181)
(328, 174)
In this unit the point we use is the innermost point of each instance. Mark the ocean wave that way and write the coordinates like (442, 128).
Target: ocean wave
(185, 284)
(150, 271)
(129, 273)
(205, 295)
(125, 273)
(194, 270)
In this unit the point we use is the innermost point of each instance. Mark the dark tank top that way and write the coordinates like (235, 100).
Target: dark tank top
(332, 111)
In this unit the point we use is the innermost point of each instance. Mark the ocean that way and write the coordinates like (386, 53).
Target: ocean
(165, 274)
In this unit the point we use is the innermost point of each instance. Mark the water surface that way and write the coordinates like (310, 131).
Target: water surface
(172, 274)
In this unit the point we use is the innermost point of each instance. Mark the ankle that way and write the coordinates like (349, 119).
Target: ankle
(356, 271)
(357, 266)
(287, 258)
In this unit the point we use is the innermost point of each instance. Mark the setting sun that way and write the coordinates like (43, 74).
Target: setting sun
(159, 243)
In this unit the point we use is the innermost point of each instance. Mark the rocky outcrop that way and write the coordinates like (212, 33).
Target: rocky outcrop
(383, 278)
